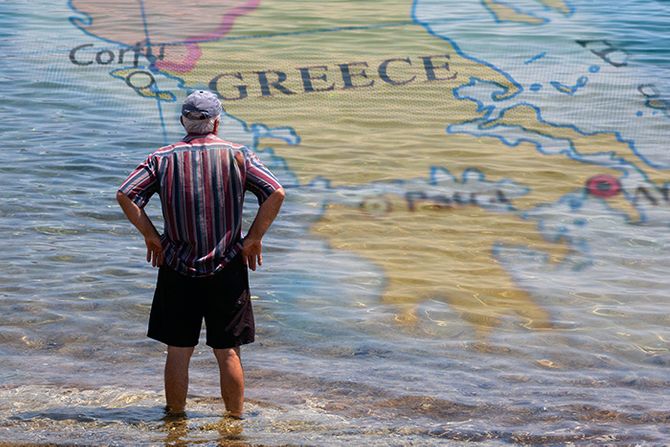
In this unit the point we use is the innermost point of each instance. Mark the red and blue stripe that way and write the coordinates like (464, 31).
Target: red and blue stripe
(201, 187)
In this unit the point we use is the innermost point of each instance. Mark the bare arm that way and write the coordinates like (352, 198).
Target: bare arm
(139, 218)
(252, 246)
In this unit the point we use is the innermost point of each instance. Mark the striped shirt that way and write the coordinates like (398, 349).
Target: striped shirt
(201, 183)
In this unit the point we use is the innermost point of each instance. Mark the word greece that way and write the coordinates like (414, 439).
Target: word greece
(397, 71)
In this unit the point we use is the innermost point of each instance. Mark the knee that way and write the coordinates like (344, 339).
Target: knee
(227, 355)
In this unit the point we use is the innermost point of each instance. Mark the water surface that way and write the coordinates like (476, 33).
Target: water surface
(572, 350)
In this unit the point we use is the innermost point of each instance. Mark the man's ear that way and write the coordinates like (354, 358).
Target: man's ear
(181, 120)
(216, 125)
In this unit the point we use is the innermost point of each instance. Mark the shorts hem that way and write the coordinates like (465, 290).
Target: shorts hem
(170, 343)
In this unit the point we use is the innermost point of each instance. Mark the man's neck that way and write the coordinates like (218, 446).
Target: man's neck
(193, 136)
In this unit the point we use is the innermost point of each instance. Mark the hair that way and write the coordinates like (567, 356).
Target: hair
(199, 126)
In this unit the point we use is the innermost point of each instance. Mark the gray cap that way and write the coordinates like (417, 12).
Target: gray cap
(201, 105)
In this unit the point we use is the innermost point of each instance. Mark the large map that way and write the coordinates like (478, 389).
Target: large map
(434, 139)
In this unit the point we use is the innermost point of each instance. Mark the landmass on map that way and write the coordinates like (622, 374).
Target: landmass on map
(506, 11)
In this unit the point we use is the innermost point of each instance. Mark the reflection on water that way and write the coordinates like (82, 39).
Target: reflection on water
(229, 432)
(472, 251)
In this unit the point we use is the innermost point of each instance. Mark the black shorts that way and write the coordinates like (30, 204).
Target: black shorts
(223, 299)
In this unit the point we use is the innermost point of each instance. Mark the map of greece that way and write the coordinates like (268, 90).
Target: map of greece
(428, 150)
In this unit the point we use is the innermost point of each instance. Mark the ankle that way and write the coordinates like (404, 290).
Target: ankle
(233, 415)
(175, 410)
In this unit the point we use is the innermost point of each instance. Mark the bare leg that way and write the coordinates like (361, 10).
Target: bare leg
(232, 379)
(176, 378)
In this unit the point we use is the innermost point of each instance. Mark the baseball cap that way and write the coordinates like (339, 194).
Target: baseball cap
(201, 105)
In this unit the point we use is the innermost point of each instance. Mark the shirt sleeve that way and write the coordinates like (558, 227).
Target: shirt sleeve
(259, 180)
(142, 183)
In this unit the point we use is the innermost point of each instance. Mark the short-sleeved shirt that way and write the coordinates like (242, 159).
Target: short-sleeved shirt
(201, 182)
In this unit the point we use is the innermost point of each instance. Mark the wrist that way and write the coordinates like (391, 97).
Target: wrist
(252, 237)
(151, 234)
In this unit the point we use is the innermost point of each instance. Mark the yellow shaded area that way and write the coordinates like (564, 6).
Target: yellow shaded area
(506, 13)
(291, 16)
(559, 5)
(588, 145)
(444, 254)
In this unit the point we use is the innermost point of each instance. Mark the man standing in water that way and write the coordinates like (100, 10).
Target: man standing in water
(202, 257)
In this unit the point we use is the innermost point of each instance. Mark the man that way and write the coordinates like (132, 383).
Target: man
(202, 257)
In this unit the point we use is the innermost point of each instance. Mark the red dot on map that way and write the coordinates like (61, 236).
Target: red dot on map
(603, 185)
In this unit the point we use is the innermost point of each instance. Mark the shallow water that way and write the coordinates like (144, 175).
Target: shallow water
(389, 311)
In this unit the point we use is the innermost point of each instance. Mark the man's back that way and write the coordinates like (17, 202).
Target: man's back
(201, 182)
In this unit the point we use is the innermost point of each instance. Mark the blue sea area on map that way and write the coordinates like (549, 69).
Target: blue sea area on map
(641, 27)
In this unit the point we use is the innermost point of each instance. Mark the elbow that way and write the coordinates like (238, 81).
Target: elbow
(120, 197)
(280, 193)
